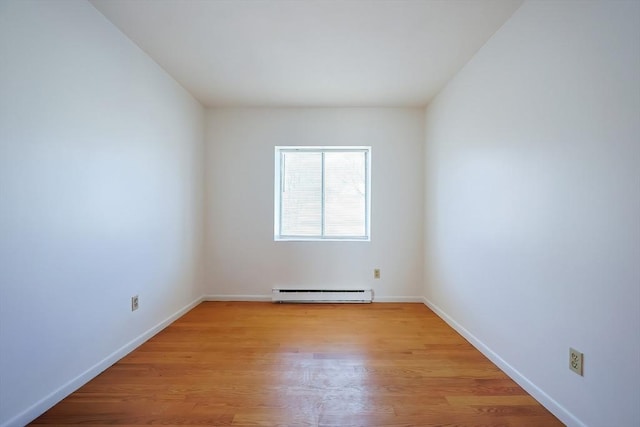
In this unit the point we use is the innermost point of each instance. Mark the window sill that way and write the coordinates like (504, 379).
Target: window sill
(320, 239)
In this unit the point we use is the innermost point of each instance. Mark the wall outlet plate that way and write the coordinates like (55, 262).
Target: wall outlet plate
(576, 360)
(376, 273)
(134, 303)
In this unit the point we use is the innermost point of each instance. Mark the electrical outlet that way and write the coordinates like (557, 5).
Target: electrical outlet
(376, 273)
(134, 303)
(576, 361)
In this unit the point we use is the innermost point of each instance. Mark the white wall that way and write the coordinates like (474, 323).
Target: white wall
(243, 259)
(533, 204)
(100, 199)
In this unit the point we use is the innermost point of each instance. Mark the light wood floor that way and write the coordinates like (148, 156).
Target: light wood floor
(263, 364)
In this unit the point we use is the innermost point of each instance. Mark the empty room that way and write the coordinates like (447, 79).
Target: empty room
(320, 213)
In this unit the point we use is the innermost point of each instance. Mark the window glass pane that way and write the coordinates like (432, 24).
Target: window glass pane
(345, 199)
(301, 208)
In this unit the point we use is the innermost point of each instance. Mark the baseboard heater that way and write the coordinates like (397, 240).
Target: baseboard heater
(322, 295)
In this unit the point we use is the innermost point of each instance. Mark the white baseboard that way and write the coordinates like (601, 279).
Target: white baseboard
(267, 298)
(398, 299)
(547, 401)
(240, 298)
(56, 396)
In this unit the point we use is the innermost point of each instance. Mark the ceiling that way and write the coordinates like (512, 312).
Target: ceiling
(319, 53)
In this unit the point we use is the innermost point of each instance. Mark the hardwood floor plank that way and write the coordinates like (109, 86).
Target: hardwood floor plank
(262, 364)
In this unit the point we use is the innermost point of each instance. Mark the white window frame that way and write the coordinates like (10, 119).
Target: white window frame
(278, 176)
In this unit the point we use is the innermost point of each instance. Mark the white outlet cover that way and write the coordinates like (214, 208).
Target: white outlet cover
(576, 360)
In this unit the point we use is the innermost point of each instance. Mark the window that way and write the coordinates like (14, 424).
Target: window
(322, 193)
